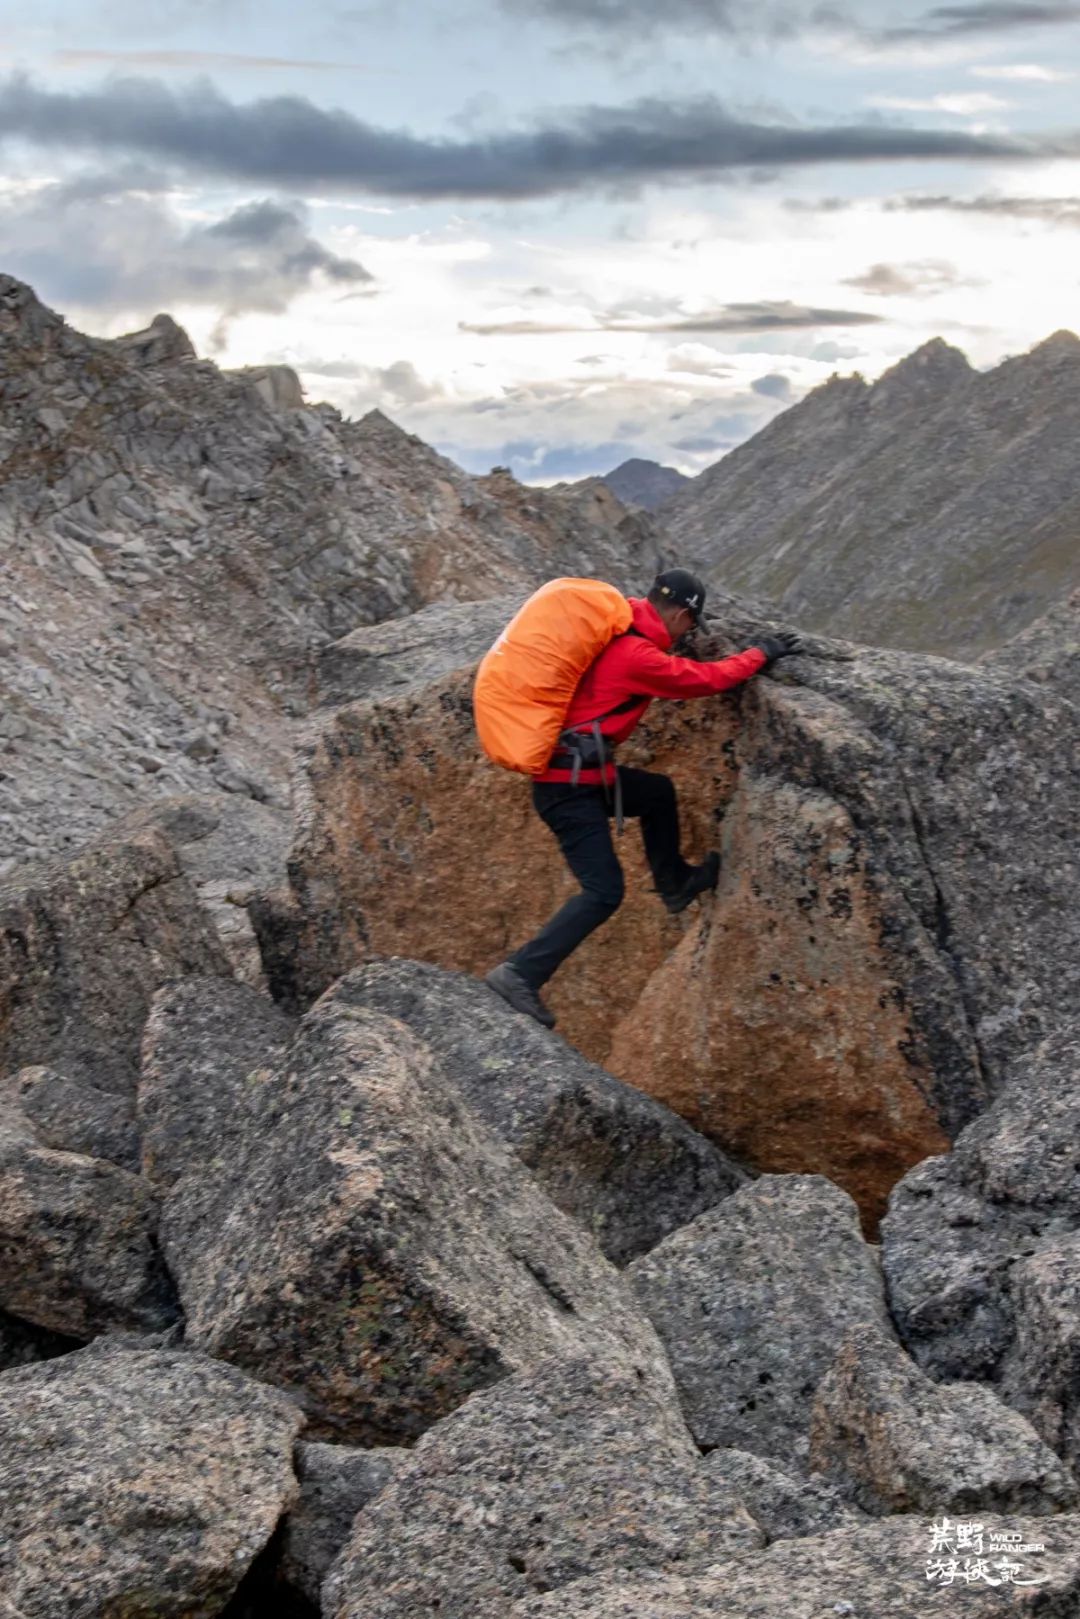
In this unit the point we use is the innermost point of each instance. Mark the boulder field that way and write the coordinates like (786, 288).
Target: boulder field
(330, 1288)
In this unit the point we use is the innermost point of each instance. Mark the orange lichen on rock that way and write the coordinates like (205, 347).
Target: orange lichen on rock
(415, 846)
(778, 1026)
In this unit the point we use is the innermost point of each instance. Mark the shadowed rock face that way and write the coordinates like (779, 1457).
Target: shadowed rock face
(360, 1239)
(625, 1168)
(786, 1504)
(978, 1247)
(83, 946)
(894, 829)
(335, 1482)
(24, 1345)
(208, 1043)
(77, 1249)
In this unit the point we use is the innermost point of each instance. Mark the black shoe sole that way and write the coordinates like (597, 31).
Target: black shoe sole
(675, 904)
(541, 1015)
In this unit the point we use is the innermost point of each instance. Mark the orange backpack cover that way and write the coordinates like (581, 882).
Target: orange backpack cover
(526, 682)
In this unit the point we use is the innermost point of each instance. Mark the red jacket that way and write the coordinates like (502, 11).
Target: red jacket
(640, 666)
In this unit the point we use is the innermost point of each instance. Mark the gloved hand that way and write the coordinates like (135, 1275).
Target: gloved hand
(780, 645)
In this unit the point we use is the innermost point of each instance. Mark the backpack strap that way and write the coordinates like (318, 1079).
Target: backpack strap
(586, 747)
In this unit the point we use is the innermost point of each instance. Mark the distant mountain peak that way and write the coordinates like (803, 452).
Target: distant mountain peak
(1059, 345)
(936, 510)
(934, 365)
(639, 482)
(23, 318)
(640, 463)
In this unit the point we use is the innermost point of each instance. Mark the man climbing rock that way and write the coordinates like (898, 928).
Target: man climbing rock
(582, 787)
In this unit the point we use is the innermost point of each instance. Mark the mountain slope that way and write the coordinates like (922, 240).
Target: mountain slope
(175, 543)
(937, 510)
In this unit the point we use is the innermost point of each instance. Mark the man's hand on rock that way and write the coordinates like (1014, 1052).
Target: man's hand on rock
(779, 645)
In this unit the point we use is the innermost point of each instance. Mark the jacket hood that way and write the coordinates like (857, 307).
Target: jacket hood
(647, 622)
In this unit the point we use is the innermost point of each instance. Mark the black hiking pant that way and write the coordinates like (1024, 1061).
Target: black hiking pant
(579, 817)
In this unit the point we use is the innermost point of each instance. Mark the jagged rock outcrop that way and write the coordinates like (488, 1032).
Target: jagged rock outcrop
(1048, 651)
(77, 1248)
(876, 957)
(335, 1482)
(895, 1441)
(176, 542)
(361, 1240)
(978, 1248)
(879, 1570)
(276, 385)
(530, 1486)
(937, 510)
(752, 1301)
(230, 847)
(163, 342)
(137, 1482)
(623, 1167)
(84, 943)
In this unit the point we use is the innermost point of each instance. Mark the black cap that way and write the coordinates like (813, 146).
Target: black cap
(680, 588)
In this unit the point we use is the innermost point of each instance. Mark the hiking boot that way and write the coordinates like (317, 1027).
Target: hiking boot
(516, 993)
(701, 879)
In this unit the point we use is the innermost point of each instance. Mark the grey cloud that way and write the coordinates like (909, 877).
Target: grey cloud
(773, 386)
(289, 142)
(702, 444)
(881, 21)
(99, 186)
(98, 242)
(391, 385)
(625, 16)
(750, 317)
(951, 22)
(907, 280)
(818, 205)
(831, 352)
(189, 61)
(275, 226)
(1047, 210)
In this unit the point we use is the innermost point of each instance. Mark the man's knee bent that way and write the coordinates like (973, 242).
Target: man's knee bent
(607, 892)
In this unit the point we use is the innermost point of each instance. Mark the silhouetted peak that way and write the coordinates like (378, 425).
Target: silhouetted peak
(934, 366)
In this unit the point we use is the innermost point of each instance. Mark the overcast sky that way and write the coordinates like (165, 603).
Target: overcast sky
(550, 233)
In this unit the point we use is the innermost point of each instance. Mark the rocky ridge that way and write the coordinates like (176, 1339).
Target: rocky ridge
(937, 510)
(177, 541)
(1048, 651)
